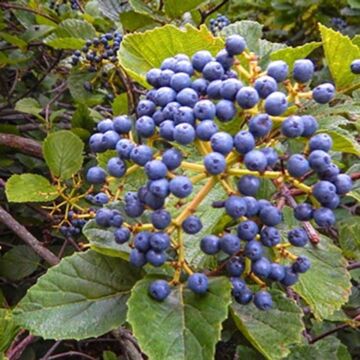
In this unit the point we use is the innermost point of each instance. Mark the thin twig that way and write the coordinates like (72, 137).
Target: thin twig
(23, 8)
(205, 14)
(354, 265)
(51, 350)
(25, 235)
(64, 355)
(15, 352)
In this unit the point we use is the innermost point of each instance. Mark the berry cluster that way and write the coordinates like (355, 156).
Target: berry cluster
(339, 23)
(188, 103)
(74, 227)
(55, 4)
(217, 24)
(98, 51)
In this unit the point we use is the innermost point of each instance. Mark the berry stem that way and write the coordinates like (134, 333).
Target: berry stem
(192, 166)
(265, 175)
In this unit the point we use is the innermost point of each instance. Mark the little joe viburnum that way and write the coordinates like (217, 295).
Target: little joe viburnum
(189, 100)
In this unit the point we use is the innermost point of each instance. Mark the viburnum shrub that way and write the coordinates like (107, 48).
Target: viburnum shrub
(205, 197)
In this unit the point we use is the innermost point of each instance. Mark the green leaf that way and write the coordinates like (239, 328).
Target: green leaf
(120, 104)
(250, 30)
(18, 263)
(176, 8)
(271, 332)
(326, 286)
(343, 141)
(349, 237)
(29, 106)
(8, 329)
(329, 348)
(109, 355)
(291, 54)
(340, 52)
(184, 325)
(71, 34)
(113, 8)
(132, 21)
(140, 52)
(13, 40)
(84, 296)
(82, 118)
(29, 188)
(63, 153)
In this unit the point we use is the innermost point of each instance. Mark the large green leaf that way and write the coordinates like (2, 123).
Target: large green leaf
(30, 188)
(8, 329)
(84, 296)
(29, 106)
(290, 54)
(329, 348)
(113, 8)
(18, 262)
(326, 286)
(139, 52)
(185, 326)
(349, 237)
(176, 8)
(344, 141)
(339, 54)
(271, 332)
(63, 153)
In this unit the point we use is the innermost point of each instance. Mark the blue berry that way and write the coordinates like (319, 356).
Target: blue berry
(145, 126)
(180, 81)
(159, 241)
(252, 206)
(198, 283)
(235, 266)
(323, 191)
(165, 77)
(192, 224)
(330, 173)
(244, 142)
(224, 59)
(116, 167)
(215, 163)
(124, 148)
(152, 77)
(278, 70)
(323, 93)
(248, 185)
(261, 267)
(101, 198)
(319, 160)
(206, 129)
(137, 258)
(155, 258)
(235, 206)
(301, 265)
(255, 160)
(96, 175)
(222, 142)
(184, 133)
(225, 110)
(277, 272)
(172, 158)
(184, 66)
(187, 97)
(167, 130)
(96, 143)
(160, 219)
(164, 96)
(276, 103)
(244, 297)
(260, 125)
(270, 216)
(247, 97)
(263, 300)
(297, 165)
(355, 67)
(230, 244)
(290, 278)
(122, 235)
(265, 85)
(103, 217)
(303, 70)
(247, 230)
(200, 86)
(271, 155)
(145, 107)
(155, 169)
(310, 125)
(210, 244)
(270, 236)
(213, 70)
(105, 125)
(170, 110)
(204, 109)
(122, 124)
(298, 237)
(324, 217)
(238, 286)
(235, 44)
(180, 186)
(134, 208)
(292, 126)
(343, 184)
(303, 212)
(168, 64)
(110, 139)
(116, 219)
(142, 241)
(159, 290)
(200, 59)
(320, 142)
(253, 250)
(141, 154)
(230, 88)
(213, 89)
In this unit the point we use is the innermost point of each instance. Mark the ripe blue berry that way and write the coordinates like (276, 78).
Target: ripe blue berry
(164, 96)
(271, 155)
(206, 129)
(96, 175)
(248, 185)
(122, 235)
(265, 85)
(222, 142)
(210, 244)
(159, 241)
(103, 217)
(160, 219)
(180, 81)
(96, 143)
(323, 93)
(247, 97)
(184, 114)
(252, 206)
(276, 103)
(142, 241)
(200, 59)
(141, 154)
(172, 158)
(244, 142)
(230, 244)
(192, 224)
(255, 160)
(270, 236)
(235, 44)
(213, 70)
(298, 237)
(230, 88)
(238, 285)
(165, 77)
(198, 283)
(277, 272)
(167, 130)
(303, 70)
(180, 186)
(159, 188)
(225, 110)
(187, 97)
(319, 160)
(303, 212)
(184, 66)
(310, 125)
(204, 109)
(253, 250)
(261, 267)
(235, 206)
(278, 70)
(244, 297)
(213, 89)
(290, 278)
(297, 165)
(184, 133)
(116, 167)
(159, 290)
(323, 191)
(110, 139)
(145, 107)
(270, 215)
(105, 125)
(124, 147)
(122, 124)
(343, 184)
(215, 163)
(137, 258)
(301, 265)
(200, 86)
(263, 300)
(324, 217)
(260, 125)
(155, 169)
(292, 126)
(355, 67)
(145, 126)
(155, 258)
(224, 59)
(320, 142)
(134, 208)
(247, 230)
(235, 266)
